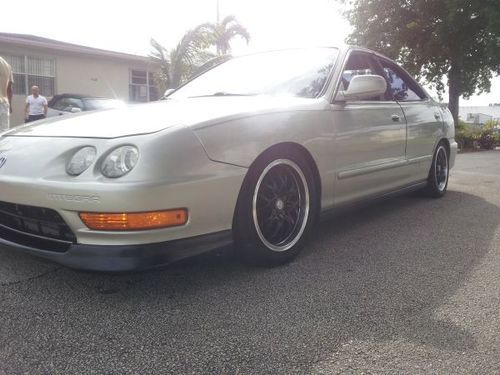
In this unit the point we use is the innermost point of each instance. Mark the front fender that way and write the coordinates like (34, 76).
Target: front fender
(241, 141)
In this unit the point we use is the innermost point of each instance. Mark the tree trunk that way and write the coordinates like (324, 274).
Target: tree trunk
(454, 91)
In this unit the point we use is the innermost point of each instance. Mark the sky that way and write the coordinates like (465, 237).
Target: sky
(128, 26)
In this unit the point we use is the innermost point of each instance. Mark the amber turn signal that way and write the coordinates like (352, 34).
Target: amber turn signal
(134, 220)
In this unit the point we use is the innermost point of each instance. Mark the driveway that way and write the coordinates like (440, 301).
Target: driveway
(406, 285)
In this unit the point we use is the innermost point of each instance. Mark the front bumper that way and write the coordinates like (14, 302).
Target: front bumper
(173, 172)
(453, 153)
(121, 258)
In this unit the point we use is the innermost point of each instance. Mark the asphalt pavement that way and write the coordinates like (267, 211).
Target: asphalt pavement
(405, 285)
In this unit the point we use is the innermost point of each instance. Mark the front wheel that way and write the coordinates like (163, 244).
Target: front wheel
(437, 182)
(276, 209)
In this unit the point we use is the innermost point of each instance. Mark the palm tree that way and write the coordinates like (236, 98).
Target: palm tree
(178, 64)
(223, 32)
(191, 55)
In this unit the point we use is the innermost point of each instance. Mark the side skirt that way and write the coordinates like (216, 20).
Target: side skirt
(328, 213)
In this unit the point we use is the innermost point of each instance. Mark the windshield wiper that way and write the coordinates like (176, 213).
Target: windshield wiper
(221, 93)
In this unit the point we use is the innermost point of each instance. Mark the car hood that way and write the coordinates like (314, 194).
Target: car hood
(153, 117)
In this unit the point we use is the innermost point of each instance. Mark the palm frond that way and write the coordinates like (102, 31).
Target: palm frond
(227, 20)
(225, 31)
(159, 52)
(238, 30)
(192, 51)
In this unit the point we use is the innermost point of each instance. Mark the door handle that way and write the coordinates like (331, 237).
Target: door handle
(395, 118)
(437, 115)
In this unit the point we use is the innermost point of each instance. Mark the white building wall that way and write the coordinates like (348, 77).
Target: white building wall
(479, 114)
(80, 74)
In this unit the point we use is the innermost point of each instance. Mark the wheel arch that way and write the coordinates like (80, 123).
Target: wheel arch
(278, 149)
(446, 143)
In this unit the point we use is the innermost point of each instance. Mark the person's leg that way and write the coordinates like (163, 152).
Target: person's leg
(4, 116)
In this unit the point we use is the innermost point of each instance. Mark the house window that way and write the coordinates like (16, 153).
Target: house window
(142, 87)
(31, 71)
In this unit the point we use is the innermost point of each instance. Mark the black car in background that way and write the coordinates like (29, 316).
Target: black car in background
(74, 103)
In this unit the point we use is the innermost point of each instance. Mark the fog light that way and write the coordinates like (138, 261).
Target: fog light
(134, 220)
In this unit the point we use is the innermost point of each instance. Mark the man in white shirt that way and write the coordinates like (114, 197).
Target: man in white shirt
(36, 105)
(6, 81)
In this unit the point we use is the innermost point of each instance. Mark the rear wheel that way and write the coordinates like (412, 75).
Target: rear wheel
(276, 209)
(437, 182)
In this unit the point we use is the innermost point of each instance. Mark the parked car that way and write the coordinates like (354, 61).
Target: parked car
(251, 152)
(64, 104)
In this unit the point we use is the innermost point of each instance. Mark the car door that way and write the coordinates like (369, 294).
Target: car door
(370, 138)
(423, 117)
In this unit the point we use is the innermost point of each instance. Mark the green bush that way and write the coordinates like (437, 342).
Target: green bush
(466, 135)
(486, 137)
(490, 135)
(487, 140)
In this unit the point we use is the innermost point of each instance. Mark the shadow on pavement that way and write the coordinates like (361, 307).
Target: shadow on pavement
(378, 273)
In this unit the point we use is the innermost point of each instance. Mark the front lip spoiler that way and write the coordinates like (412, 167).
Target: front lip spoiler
(122, 258)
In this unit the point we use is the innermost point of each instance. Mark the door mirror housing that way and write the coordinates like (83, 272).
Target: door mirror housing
(167, 93)
(363, 87)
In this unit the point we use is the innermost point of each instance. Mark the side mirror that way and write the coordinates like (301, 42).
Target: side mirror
(363, 87)
(167, 93)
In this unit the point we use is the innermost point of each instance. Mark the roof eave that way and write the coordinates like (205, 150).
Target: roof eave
(74, 49)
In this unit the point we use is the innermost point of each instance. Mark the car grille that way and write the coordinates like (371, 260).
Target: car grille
(36, 227)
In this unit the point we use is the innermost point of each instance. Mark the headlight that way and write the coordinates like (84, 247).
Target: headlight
(81, 160)
(120, 161)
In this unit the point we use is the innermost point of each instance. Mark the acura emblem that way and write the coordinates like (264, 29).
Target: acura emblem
(3, 160)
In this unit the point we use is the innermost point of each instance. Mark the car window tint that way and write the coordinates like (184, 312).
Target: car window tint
(58, 105)
(358, 64)
(65, 104)
(402, 88)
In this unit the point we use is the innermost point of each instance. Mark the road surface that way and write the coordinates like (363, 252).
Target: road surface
(406, 285)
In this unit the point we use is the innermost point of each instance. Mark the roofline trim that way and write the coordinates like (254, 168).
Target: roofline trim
(68, 47)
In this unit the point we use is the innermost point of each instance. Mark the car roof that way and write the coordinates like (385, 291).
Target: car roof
(365, 49)
(341, 47)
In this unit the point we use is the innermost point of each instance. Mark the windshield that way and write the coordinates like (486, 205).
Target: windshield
(301, 72)
(98, 103)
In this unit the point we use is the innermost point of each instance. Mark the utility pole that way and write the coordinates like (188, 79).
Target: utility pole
(218, 13)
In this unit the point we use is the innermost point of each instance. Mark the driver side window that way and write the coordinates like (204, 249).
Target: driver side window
(359, 63)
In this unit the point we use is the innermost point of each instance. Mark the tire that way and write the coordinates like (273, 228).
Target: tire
(437, 181)
(277, 209)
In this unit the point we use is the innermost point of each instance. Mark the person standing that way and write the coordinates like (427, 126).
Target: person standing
(36, 106)
(6, 81)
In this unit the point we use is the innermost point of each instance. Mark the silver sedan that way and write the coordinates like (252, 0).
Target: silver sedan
(250, 152)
